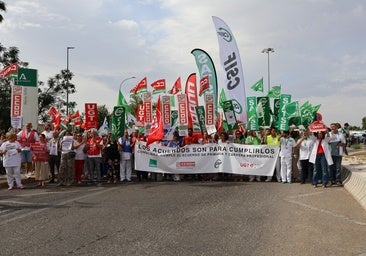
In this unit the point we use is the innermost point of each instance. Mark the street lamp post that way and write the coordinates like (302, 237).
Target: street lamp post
(268, 50)
(67, 78)
(124, 80)
(120, 86)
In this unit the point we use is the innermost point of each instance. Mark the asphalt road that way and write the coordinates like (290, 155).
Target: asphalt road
(187, 218)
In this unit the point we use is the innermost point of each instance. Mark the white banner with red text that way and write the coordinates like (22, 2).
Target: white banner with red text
(208, 158)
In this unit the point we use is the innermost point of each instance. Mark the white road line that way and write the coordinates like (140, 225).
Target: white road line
(291, 199)
(97, 192)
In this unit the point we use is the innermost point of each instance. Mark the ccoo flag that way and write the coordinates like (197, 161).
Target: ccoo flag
(230, 60)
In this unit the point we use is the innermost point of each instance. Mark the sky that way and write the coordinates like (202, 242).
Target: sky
(320, 53)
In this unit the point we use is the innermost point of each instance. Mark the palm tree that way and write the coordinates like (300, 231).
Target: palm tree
(3, 9)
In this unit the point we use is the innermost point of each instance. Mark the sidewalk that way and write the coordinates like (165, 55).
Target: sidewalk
(354, 168)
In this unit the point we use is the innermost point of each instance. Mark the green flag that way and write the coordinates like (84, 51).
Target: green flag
(258, 86)
(282, 122)
(275, 92)
(263, 111)
(118, 122)
(292, 109)
(229, 113)
(222, 99)
(122, 102)
(316, 108)
(252, 113)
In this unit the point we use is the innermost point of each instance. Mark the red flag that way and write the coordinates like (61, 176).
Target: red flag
(75, 118)
(9, 70)
(140, 113)
(91, 115)
(219, 123)
(204, 84)
(192, 97)
(156, 129)
(140, 87)
(159, 86)
(56, 117)
(177, 87)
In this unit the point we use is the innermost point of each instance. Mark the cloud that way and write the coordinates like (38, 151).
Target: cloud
(319, 53)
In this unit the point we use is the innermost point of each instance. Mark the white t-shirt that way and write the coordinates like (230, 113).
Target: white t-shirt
(336, 138)
(286, 146)
(48, 134)
(305, 148)
(12, 156)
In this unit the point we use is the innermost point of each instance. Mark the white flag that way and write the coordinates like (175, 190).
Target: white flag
(233, 85)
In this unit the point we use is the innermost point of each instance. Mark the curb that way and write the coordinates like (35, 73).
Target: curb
(355, 182)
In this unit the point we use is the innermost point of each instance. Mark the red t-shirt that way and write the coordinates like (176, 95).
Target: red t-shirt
(93, 144)
(320, 149)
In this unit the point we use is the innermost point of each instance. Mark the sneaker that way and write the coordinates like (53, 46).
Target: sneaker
(20, 187)
(268, 180)
(258, 179)
(251, 179)
(339, 183)
(10, 188)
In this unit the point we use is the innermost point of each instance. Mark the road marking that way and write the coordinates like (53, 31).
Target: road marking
(291, 199)
(98, 191)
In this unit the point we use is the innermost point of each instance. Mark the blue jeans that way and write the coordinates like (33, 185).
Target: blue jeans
(335, 169)
(321, 166)
(94, 167)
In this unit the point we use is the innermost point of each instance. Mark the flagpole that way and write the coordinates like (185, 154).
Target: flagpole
(67, 78)
(124, 80)
(268, 50)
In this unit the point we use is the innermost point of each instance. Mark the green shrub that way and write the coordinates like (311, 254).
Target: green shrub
(356, 146)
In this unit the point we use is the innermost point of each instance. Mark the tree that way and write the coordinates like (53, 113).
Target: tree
(3, 9)
(364, 122)
(54, 94)
(102, 113)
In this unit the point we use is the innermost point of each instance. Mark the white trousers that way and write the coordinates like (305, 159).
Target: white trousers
(12, 173)
(125, 169)
(286, 168)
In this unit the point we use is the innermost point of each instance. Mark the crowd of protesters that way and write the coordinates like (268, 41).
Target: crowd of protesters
(87, 156)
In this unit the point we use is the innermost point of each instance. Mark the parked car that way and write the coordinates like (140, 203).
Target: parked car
(358, 137)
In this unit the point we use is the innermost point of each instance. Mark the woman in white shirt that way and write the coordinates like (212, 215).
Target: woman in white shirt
(10, 150)
(305, 144)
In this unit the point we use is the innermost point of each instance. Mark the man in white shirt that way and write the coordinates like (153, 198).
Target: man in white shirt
(26, 137)
(55, 155)
(287, 145)
(337, 143)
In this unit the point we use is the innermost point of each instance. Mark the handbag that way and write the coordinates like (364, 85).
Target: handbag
(71, 154)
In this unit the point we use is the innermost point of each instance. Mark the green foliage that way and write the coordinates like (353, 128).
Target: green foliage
(102, 113)
(3, 9)
(54, 94)
(356, 146)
